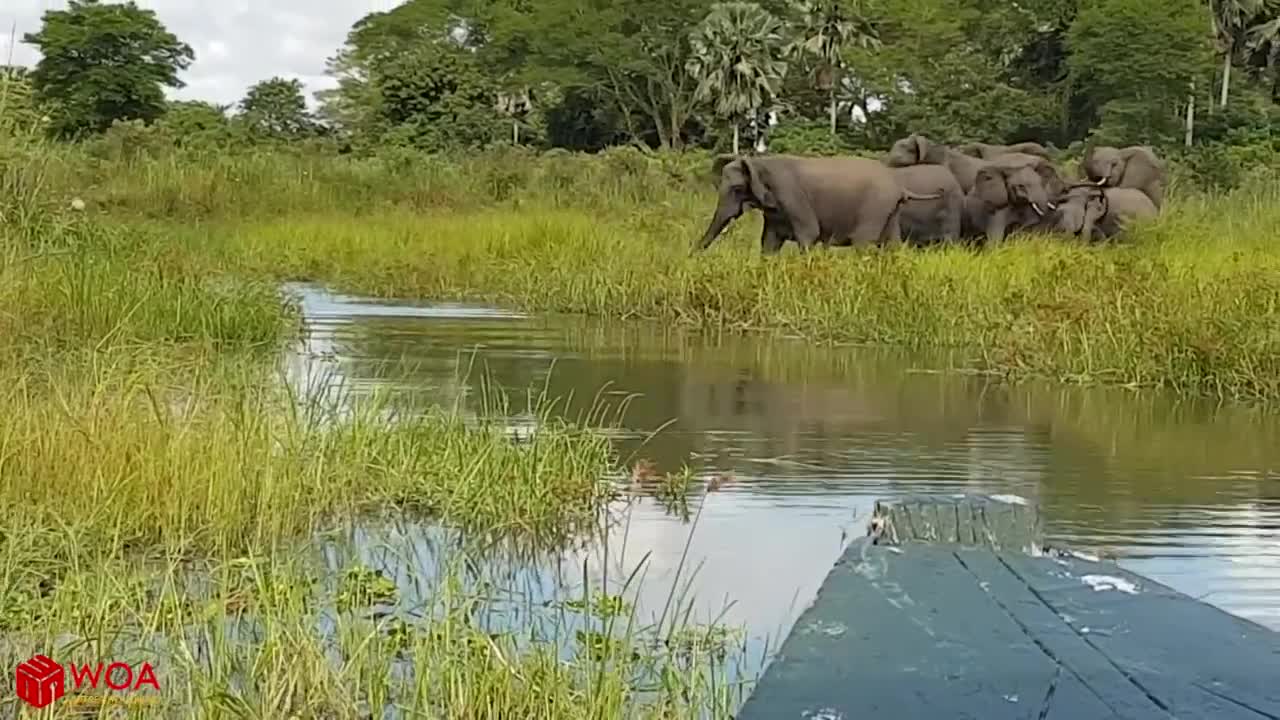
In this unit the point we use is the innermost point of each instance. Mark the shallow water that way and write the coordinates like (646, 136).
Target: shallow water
(1184, 492)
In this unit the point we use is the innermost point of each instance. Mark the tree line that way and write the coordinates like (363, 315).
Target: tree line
(803, 75)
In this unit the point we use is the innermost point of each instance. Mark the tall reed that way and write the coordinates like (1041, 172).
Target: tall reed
(1186, 303)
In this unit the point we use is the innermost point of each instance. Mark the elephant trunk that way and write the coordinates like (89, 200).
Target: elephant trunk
(727, 210)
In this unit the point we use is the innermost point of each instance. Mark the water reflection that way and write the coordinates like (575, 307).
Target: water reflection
(1184, 492)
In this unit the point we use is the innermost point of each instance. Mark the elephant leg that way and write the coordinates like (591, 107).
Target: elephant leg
(805, 230)
(997, 225)
(892, 231)
(952, 222)
(772, 236)
(1155, 191)
(872, 228)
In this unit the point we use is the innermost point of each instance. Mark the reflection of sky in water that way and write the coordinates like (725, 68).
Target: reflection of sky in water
(811, 456)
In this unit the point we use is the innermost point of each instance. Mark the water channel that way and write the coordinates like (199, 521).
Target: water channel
(1186, 492)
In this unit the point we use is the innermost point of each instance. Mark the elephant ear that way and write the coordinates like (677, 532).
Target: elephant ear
(718, 163)
(990, 187)
(758, 180)
(1053, 183)
(929, 152)
(923, 145)
(1086, 163)
(1141, 158)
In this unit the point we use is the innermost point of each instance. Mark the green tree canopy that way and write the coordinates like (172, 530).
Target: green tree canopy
(386, 44)
(276, 109)
(824, 28)
(738, 61)
(195, 123)
(949, 69)
(104, 62)
(435, 97)
(1139, 80)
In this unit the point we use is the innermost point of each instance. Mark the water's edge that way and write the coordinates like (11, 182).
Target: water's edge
(1182, 491)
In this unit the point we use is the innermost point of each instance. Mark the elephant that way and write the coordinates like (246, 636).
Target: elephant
(1012, 192)
(829, 200)
(924, 221)
(916, 149)
(1094, 212)
(990, 152)
(1136, 166)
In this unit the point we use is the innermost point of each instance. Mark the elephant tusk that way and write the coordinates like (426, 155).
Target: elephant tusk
(1053, 206)
(1036, 207)
(1103, 181)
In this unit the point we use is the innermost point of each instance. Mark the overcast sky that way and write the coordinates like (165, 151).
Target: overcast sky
(236, 42)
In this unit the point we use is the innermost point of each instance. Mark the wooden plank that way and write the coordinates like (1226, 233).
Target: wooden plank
(938, 615)
(1085, 668)
(1198, 660)
(908, 634)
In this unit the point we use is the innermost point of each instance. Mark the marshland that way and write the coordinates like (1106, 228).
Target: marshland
(362, 414)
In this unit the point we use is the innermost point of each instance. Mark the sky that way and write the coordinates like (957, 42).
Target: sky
(236, 42)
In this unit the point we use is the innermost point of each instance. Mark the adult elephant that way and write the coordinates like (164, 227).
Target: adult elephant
(1012, 192)
(917, 149)
(832, 200)
(990, 152)
(1093, 212)
(1136, 166)
(924, 221)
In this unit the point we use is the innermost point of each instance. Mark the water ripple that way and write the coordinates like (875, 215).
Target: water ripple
(1184, 493)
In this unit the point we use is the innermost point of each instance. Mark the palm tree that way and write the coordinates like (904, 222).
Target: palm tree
(1266, 35)
(826, 28)
(1236, 23)
(737, 59)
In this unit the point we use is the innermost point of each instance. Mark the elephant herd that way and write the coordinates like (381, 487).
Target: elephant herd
(925, 192)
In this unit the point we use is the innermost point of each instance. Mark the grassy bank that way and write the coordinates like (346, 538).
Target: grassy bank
(159, 482)
(1188, 304)
(164, 494)
(152, 505)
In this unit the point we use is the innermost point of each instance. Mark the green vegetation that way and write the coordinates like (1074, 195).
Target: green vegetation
(553, 156)
(461, 75)
(1186, 303)
(1189, 306)
(161, 483)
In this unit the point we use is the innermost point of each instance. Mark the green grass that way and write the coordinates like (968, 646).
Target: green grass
(274, 636)
(161, 484)
(1184, 304)
(1188, 303)
(147, 441)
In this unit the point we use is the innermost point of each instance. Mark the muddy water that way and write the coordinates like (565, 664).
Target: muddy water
(1187, 493)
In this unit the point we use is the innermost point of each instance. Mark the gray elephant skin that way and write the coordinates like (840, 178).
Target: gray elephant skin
(916, 149)
(1012, 192)
(829, 200)
(1136, 166)
(939, 219)
(1093, 212)
(990, 152)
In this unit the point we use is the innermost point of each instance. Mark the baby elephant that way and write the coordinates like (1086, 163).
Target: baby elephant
(1094, 212)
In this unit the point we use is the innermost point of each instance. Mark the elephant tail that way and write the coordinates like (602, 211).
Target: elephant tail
(908, 195)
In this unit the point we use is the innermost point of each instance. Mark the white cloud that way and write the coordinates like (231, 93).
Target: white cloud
(236, 42)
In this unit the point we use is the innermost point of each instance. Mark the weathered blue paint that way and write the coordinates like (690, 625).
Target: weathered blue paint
(945, 630)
